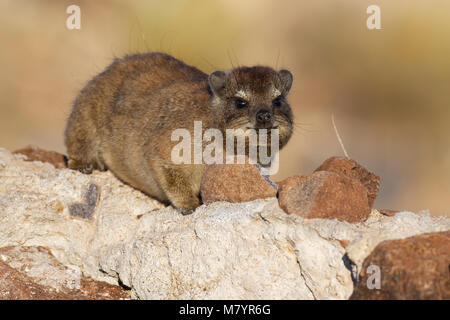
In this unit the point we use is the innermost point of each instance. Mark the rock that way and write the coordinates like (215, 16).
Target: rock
(402, 225)
(36, 154)
(33, 273)
(325, 195)
(388, 212)
(250, 250)
(344, 242)
(413, 268)
(352, 169)
(234, 183)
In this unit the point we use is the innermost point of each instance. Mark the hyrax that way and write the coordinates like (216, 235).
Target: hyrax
(124, 118)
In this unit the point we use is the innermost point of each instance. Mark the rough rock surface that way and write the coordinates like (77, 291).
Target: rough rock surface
(388, 212)
(33, 273)
(250, 250)
(234, 183)
(352, 169)
(413, 268)
(33, 153)
(325, 195)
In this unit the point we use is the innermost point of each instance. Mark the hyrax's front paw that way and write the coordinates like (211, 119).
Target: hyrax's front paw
(179, 190)
(186, 212)
(85, 168)
(186, 203)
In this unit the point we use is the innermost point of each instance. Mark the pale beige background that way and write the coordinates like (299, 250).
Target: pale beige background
(389, 89)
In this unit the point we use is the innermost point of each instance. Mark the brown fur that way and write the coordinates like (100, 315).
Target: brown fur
(124, 117)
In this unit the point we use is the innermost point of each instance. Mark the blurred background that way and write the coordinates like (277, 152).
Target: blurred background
(389, 89)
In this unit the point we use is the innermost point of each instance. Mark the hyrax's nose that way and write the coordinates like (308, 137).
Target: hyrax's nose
(263, 116)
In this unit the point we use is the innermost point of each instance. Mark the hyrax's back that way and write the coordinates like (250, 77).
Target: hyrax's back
(123, 120)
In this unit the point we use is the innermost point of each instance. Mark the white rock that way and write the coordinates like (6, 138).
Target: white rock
(39, 265)
(250, 250)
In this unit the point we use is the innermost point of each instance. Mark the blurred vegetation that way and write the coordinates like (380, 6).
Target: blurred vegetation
(389, 89)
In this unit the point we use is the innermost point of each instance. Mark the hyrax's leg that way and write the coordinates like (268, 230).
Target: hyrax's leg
(178, 188)
(86, 168)
(83, 144)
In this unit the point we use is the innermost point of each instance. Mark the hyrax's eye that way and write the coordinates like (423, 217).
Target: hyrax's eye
(277, 102)
(240, 103)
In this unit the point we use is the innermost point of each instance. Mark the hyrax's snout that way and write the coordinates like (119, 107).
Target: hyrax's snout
(264, 117)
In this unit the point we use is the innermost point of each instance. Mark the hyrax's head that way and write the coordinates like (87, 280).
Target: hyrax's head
(254, 98)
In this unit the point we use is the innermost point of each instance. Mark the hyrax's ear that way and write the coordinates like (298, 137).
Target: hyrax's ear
(217, 82)
(286, 78)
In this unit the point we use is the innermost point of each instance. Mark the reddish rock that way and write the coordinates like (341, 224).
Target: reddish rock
(16, 286)
(413, 268)
(325, 195)
(33, 273)
(344, 243)
(234, 183)
(352, 169)
(36, 154)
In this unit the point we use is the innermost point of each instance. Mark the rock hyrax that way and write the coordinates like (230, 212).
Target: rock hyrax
(124, 118)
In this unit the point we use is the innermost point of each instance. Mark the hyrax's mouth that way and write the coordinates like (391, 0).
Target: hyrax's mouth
(245, 127)
(275, 125)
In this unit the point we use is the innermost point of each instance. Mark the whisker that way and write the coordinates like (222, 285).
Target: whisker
(208, 62)
(235, 57)
(239, 124)
(232, 65)
(302, 128)
(142, 33)
(278, 57)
